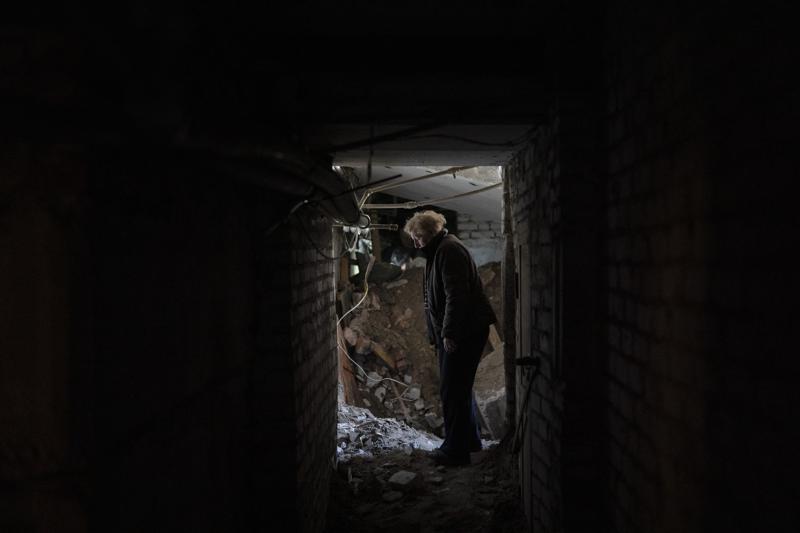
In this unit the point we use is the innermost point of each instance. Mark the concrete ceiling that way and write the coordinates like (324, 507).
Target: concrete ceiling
(445, 145)
(416, 125)
(378, 152)
(486, 205)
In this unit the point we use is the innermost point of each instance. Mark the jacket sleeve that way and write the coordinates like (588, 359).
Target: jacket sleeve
(455, 268)
(431, 335)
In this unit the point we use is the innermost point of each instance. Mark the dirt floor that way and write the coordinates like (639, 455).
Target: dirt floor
(392, 420)
(391, 322)
(482, 497)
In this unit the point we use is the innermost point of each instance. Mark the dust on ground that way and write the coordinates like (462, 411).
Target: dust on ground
(395, 420)
(385, 481)
(391, 321)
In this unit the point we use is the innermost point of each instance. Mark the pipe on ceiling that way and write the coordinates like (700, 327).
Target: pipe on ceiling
(415, 204)
(392, 185)
(288, 170)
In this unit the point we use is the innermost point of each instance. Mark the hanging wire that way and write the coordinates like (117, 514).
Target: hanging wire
(285, 219)
(339, 322)
(358, 188)
(314, 244)
(350, 247)
(505, 144)
(371, 151)
(523, 416)
(417, 203)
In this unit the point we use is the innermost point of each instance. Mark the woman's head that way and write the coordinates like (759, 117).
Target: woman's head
(424, 226)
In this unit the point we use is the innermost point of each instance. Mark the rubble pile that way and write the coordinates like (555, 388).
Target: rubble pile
(359, 433)
(390, 417)
(396, 369)
(402, 489)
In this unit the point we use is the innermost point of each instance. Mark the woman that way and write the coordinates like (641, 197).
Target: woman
(458, 317)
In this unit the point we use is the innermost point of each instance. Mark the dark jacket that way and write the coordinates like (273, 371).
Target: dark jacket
(453, 292)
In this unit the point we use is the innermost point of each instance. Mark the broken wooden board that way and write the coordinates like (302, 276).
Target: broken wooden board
(400, 399)
(494, 338)
(381, 352)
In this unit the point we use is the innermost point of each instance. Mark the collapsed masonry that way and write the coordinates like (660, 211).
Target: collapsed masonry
(388, 366)
(360, 433)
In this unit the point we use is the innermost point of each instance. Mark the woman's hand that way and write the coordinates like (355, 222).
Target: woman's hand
(449, 345)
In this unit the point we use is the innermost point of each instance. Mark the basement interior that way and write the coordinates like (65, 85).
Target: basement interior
(212, 319)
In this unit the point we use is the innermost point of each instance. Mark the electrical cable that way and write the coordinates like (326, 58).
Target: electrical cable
(509, 144)
(371, 151)
(350, 247)
(418, 203)
(371, 141)
(374, 190)
(338, 323)
(314, 244)
(522, 419)
(292, 211)
(344, 351)
(387, 137)
(285, 219)
(358, 188)
(323, 254)
(366, 290)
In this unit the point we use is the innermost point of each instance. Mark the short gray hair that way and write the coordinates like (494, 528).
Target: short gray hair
(428, 222)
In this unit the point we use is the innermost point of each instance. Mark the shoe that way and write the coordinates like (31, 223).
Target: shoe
(441, 458)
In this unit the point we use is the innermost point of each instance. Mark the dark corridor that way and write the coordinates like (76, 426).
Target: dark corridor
(167, 193)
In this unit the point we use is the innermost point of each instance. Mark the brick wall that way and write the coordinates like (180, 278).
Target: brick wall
(44, 423)
(193, 397)
(698, 298)
(660, 281)
(556, 189)
(484, 238)
(533, 188)
(657, 253)
(313, 319)
(556, 209)
(166, 363)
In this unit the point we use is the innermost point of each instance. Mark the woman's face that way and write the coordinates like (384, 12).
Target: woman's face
(420, 238)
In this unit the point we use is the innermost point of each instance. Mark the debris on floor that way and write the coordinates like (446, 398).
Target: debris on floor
(360, 433)
(384, 480)
(389, 365)
(391, 420)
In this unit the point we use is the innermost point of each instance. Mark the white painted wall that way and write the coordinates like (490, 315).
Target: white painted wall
(483, 238)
